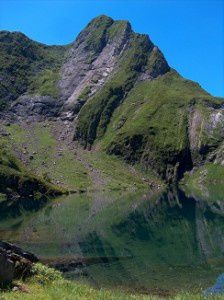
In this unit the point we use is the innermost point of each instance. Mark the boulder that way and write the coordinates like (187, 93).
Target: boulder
(7, 269)
(14, 263)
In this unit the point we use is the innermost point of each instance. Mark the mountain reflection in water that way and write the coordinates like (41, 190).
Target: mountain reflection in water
(166, 241)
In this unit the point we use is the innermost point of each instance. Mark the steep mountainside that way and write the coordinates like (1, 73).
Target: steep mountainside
(26, 65)
(119, 92)
(170, 124)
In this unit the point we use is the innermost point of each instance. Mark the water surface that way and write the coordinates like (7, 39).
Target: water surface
(164, 242)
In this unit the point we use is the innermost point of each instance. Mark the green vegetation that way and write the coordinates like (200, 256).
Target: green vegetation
(85, 93)
(142, 113)
(49, 159)
(151, 124)
(101, 107)
(117, 27)
(44, 274)
(22, 61)
(48, 284)
(95, 33)
(78, 169)
(156, 64)
(16, 180)
(148, 121)
(45, 83)
(206, 182)
(117, 174)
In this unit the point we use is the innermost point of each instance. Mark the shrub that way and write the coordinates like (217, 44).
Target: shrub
(44, 274)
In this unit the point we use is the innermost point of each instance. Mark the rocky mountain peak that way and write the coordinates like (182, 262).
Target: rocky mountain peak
(101, 19)
(61, 79)
(91, 60)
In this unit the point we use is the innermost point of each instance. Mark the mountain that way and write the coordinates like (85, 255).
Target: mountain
(120, 94)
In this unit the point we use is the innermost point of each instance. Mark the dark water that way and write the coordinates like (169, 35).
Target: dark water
(164, 242)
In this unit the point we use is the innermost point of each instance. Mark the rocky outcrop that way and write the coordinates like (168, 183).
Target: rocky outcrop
(206, 132)
(91, 60)
(218, 155)
(14, 263)
(34, 108)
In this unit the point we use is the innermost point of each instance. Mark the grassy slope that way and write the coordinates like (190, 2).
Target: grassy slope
(16, 179)
(55, 287)
(146, 122)
(26, 64)
(74, 169)
(152, 122)
(68, 290)
(46, 162)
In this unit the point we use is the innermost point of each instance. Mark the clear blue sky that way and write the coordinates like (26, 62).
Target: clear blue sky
(190, 33)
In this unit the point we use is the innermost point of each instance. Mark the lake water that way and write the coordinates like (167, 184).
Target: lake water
(160, 243)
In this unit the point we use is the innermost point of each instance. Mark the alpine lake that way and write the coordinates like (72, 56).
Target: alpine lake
(160, 243)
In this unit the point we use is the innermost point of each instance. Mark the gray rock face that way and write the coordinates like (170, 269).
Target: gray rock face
(217, 156)
(156, 66)
(33, 107)
(14, 262)
(206, 131)
(89, 67)
(7, 269)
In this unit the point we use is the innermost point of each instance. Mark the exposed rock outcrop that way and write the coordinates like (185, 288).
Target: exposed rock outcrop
(206, 132)
(35, 108)
(14, 263)
(92, 59)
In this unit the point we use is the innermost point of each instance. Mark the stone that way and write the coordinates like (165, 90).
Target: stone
(7, 269)
(14, 263)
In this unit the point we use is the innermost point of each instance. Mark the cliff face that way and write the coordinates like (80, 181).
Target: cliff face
(118, 89)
